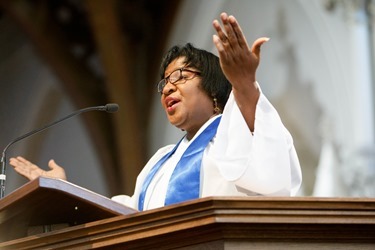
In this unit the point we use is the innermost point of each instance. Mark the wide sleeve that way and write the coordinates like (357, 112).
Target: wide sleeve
(264, 162)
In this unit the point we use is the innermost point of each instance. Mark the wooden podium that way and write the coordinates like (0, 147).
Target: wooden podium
(46, 203)
(95, 222)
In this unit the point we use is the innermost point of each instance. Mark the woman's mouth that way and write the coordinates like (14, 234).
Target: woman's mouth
(171, 103)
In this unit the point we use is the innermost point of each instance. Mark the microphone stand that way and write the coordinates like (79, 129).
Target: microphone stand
(111, 107)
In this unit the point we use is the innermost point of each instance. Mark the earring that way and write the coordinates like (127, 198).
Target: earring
(217, 110)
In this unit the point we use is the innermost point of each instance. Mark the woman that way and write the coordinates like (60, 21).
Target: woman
(244, 151)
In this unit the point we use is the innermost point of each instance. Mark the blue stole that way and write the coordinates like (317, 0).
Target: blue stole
(185, 180)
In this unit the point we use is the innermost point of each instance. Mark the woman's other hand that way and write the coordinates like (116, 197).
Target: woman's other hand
(32, 171)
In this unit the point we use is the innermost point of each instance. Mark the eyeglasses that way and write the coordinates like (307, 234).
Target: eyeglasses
(176, 76)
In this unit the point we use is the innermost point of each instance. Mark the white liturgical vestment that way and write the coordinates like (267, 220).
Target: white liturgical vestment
(235, 163)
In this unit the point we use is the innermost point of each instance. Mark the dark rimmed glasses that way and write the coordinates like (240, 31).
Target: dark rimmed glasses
(177, 75)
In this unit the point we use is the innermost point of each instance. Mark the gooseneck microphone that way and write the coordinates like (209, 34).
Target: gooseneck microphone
(110, 108)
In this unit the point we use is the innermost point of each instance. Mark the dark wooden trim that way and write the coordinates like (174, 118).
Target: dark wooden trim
(224, 222)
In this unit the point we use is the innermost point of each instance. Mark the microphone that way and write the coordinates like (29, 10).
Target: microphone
(110, 108)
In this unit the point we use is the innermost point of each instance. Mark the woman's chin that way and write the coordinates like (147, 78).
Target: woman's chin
(176, 122)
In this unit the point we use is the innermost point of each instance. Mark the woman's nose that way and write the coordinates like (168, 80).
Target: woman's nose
(169, 88)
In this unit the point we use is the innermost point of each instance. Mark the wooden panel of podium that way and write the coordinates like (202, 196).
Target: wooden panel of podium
(95, 222)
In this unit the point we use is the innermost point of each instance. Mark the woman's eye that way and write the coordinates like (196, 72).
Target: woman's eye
(185, 76)
(174, 79)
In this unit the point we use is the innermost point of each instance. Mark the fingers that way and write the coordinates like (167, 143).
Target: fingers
(218, 44)
(20, 162)
(232, 35)
(224, 37)
(25, 168)
(220, 39)
(257, 45)
(220, 33)
(52, 164)
(56, 170)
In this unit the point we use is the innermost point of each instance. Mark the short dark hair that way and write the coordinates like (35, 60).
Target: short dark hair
(214, 82)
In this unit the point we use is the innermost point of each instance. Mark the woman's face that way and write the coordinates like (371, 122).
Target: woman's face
(187, 106)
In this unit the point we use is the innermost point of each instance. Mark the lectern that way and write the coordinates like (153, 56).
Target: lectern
(47, 203)
(206, 223)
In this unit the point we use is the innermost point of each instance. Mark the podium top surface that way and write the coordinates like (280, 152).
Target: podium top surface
(47, 201)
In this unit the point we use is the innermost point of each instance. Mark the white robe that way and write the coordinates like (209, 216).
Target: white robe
(236, 162)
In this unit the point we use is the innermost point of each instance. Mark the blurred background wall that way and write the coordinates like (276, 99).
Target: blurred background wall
(60, 56)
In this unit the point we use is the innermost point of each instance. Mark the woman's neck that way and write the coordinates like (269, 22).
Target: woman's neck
(191, 133)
